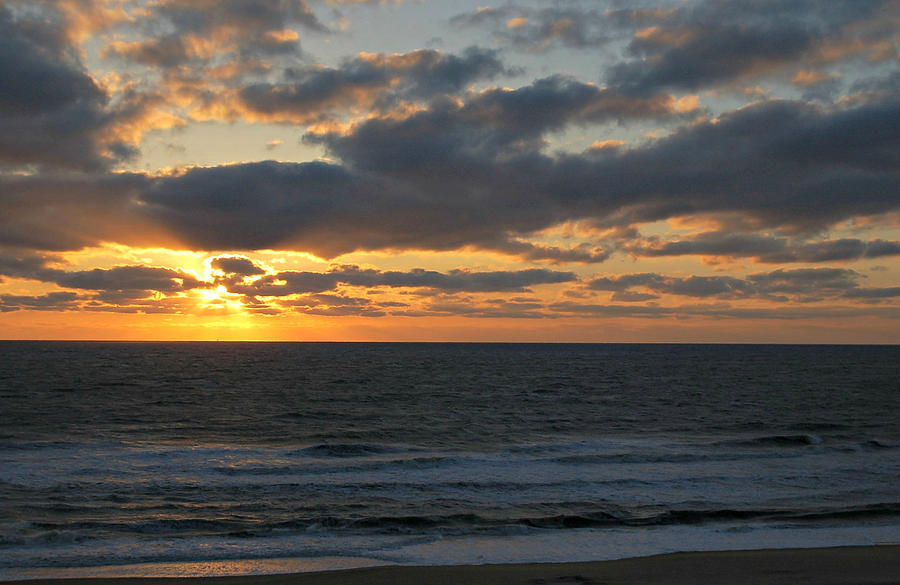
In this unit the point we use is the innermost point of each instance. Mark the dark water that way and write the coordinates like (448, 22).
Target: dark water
(114, 453)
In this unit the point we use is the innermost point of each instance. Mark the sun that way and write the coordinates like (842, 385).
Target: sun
(219, 298)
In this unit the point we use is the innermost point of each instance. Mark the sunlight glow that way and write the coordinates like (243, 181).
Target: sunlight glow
(219, 298)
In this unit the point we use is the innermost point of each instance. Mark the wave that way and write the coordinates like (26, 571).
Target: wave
(877, 445)
(344, 450)
(788, 441)
(798, 440)
(496, 522)
(317, 469)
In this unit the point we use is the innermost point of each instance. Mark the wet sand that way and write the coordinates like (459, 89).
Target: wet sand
(866, 565)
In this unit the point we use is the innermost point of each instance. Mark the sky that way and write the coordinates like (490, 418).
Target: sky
(540, 171)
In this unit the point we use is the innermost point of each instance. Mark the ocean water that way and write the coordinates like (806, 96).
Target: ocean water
(223, 458)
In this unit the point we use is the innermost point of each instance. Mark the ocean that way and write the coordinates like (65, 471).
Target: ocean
(146, 459)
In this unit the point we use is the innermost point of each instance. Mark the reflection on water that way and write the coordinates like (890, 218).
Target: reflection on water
(204, 568)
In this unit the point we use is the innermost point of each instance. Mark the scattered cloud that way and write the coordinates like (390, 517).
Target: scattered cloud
(645, 161)
(368, 80)
(541, 29)
(53, 114)
(764, 249)
(802, 284)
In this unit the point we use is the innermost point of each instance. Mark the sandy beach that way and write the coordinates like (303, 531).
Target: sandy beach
(867, 565)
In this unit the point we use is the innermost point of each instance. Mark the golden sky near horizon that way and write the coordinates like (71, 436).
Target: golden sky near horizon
(672, 171)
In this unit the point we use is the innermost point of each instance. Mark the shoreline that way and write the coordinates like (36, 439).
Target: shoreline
(851, 565)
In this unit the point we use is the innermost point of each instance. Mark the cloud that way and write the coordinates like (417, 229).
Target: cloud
(236, 266)
(475, 174)
(334, 306)
(200, 30)
(764, 249)
(120, 285)
(266, 205)
(456, 280)
(168, 51)
(539, 30)
(404, 180)
(723, 311)
(705, 54)
(873, 293)
(54, 301)
(65, 211)
(130, 278)
(52, 113)
(806, 280)
(691, 286)
(485, 14)
(292, 282)
(362, 82)
(690, 46)
(25, 264)
(583, 252)
(492, 126)
(720, 41)
(804, 284)
(776, 164)
(155, 289)
(159, 289)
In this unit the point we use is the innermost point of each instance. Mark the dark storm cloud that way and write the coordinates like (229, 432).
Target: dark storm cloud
(765, 249)
(367, 78)
(52, 113)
